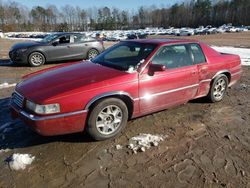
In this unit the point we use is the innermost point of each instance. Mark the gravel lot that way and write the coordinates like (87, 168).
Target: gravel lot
(207, 145)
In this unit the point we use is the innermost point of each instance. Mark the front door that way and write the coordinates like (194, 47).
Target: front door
(60, 50)
(177, 84)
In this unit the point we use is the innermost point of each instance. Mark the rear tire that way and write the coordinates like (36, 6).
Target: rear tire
(36, 59)
(107, 119)
(92, 53)
(218, 88)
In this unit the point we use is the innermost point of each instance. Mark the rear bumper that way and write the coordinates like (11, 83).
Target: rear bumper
(54, 124)
(235, 77)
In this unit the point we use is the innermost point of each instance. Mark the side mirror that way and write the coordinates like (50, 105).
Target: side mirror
(156, 67)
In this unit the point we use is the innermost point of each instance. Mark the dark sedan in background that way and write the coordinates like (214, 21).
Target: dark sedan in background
(56, 47)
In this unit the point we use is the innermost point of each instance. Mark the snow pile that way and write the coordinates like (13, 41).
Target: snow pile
(118, 147)
(32, 39)
(144, 141)
(6, 85)
(244, 53)
(20, 161)
(4, 150)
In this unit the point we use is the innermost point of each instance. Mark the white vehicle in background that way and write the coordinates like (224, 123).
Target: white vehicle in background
(221, 29)
(212, 30)
(1, 34)
(121, 37)
(232, 29)
(185, 32)
(242, 28)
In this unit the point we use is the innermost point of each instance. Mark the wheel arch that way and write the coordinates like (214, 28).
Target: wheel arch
(225, 72)
(124, 96)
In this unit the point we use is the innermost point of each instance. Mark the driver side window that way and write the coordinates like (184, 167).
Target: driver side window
(174, 56)
(64, 39)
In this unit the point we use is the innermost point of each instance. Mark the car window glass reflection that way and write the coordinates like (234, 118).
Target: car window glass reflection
(197, 54)
(79, 38)
(173, 57)
(125, 55)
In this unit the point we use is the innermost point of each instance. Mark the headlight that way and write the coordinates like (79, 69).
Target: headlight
(22, 50)
(43, 109)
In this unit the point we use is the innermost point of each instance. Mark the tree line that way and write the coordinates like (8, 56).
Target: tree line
(193, 13)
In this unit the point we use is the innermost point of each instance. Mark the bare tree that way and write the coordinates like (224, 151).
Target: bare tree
(16, 17)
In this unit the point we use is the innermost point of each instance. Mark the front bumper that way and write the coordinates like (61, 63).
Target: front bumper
(18, 57)
(51, 125)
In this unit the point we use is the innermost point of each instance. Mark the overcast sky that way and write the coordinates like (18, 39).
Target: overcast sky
(122, 4)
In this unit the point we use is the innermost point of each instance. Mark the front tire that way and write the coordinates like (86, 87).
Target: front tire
(218, 89)
(36, 59)
(107, 119)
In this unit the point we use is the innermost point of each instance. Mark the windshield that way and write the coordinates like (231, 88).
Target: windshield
(125, 56)
(50, 38)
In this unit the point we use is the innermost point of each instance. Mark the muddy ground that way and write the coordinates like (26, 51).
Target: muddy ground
(207, 145)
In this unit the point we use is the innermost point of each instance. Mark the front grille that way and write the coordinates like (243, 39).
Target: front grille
(18, 99)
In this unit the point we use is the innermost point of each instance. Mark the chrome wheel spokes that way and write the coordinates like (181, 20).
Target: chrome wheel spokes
(109, 119)
(92, 54)
(219, 89)
(36, 59)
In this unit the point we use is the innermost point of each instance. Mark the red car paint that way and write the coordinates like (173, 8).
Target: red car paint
(78, 86)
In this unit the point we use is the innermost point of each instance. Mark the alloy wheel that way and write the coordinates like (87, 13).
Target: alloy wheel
(36, 59)
(219, 89)
(109, 119)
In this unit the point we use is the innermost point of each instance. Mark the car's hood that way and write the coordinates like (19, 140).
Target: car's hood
(25, 45)
(56, 83)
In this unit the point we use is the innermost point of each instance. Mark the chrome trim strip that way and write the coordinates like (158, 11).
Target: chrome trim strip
(106, 95)
(207, 80)
(38, 118)
(236, 73)
(169, 91)
(174, 90)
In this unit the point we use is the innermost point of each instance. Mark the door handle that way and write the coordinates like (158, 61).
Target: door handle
(193, 72)
(68, 46)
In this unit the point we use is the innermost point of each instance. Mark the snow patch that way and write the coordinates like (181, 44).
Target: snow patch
(144, 141)
(20, 161)
(7, 85)
(118, 147)
(32, 39)
(4, 150)
(244, 53)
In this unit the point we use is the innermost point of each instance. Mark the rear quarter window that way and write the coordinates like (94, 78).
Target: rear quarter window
(198, 54)
(79, 38)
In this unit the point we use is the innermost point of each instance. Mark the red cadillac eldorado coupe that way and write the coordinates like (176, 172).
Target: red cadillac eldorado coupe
(130, 79)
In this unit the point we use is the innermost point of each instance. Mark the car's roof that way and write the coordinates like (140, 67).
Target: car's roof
(161, 41)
